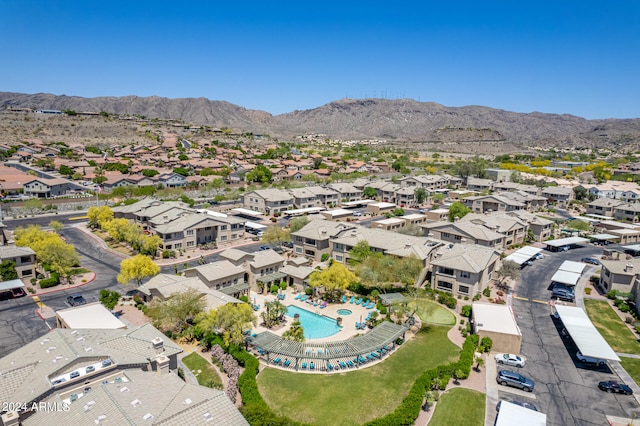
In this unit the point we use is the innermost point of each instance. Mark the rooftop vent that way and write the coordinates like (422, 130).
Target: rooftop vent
(158, 344)
(44, 341)
(187, 401)
(80, 339)
(11, 418)
(628, 267)
(88, 405)
(88, 349)
(135, 402)
(50, 348)
(147, 416)
(99, 419)
(124, 389)
(208, 417)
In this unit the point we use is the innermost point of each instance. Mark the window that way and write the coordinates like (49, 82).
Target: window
(190, 243)
(339, 258)
(223, 227)
(463, 289)
(465, 274)
(299, 250)
(223, 238)
(178, 245)
(189, 232)
(445, 286)
(445, 235)
(27, 272)
(446, 271)
(25, 259)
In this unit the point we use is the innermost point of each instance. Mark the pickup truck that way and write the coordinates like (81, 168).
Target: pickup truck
(589, 360)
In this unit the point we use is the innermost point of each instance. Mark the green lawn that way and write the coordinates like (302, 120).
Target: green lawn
(432, 312)
(612, 328)
(460, 407)
(631, 366)
(356, 397)
(204, 372)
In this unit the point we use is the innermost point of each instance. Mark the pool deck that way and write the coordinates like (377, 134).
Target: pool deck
(359, 313)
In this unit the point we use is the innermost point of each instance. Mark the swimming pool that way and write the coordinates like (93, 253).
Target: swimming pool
(344, 312)
(315, 326)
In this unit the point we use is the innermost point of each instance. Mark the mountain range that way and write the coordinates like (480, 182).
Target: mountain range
(398, 121)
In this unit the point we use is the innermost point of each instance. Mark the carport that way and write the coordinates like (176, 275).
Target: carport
(633, 250)
(571, 266)
(565, 277)
(584, 334)
(523, 255)
(553, 245)
(511, 414)
(603, 238)
(16, 287)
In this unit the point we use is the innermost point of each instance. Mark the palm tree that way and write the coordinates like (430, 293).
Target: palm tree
(295, 333)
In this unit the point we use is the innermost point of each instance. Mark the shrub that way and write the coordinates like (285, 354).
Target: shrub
(637, 327)
(624, 308)
(324, 257)
(283, 285)
(588, 290)
(244, 298)
(485, 344)
(52, 281)
(274, 288)
(612, 294)
(466, 311)
(476, 297)
(308, 291)
(628, 320)
(487, 292)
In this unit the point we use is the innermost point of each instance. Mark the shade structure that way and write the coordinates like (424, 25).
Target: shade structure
(584, 334)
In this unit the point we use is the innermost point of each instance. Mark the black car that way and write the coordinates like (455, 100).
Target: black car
(615, 387)
(76, 299)
(520, 403)
(590, 260)
(563, 293)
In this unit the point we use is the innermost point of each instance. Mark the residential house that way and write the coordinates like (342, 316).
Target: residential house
(47, 188)
(463, 270)
(23, 257)
(171, 180)
(326, 196)
(559, 195)
(347, 191)
(264, 268)
(303, 198)
(622, 276)
(478, 184)
(223, 275)
(465, 232)
(492, 203)
(603, 206)
(313, 240)
(627, 212)
(512, 228)
(268, 201)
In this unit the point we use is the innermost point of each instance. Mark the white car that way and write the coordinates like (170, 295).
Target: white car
(510, 359)
(590, 360)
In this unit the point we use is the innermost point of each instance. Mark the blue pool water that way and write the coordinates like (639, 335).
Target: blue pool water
(315, 326)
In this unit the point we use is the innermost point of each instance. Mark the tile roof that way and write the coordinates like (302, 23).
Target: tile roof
(465, 257)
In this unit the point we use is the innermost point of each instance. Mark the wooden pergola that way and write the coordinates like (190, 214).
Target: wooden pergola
(327, 356)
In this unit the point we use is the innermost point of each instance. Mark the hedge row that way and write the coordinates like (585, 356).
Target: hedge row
(52, 281)
(436, 378)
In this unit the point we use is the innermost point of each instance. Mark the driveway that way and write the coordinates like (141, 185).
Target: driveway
(566, 390)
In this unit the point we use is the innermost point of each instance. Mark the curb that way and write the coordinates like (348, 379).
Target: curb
(55, 290)
(39, 314)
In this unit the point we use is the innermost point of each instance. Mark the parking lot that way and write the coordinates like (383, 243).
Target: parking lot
(566, 389)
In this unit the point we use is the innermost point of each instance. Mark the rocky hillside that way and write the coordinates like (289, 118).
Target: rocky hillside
(398, 121)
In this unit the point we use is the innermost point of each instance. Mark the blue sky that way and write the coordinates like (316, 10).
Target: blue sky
(573, 57)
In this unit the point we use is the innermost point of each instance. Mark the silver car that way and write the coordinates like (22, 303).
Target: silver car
(510, 359)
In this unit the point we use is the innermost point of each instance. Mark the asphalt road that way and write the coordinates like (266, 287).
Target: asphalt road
(565, 389)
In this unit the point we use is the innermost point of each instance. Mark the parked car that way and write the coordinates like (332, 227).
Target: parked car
(516, 380)
(422, 211)
(615, 387)
(357, 214)
(90, 369)
(510, 359)
(563, 293)
(74, 374)
(265, 247)
(520, 403)
(538, 256)
(563, 248)
(590, 360)
(106, 362)
(76, 299)
(590, 260)
(58, 381)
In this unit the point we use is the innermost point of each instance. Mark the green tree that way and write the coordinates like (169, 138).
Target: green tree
(177, 312)
(230, 320)
(275, 234)
(420, 194)
(360, 251)
(369, 192)
(8, 270)
(109, 299)
(335, 279)
(273, 313)
(298, 223)
(438, 198)
(295, 332)
(56, 226)
(458, 210)
(259, 174)
(137, 268)
(65, 170)
(509, 269)
(580, 192)
(60, 256)
(181, 171)
(150, 172)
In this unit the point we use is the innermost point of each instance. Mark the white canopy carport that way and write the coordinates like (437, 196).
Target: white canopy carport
(565, 241)
(584, 334)
(247, 212)
(511, 414)
(522, 255)
(566, 277)
(11, 284)
(570, 266)
(603, 237)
